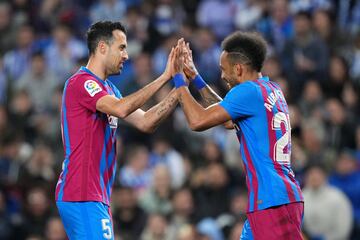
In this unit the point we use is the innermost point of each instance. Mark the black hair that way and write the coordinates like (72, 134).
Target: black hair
(36, 54)
(102, 30)
(246, 47)
(303, 14)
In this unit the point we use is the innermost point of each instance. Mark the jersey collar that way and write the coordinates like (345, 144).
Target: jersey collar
(264, 78)
(85, 69)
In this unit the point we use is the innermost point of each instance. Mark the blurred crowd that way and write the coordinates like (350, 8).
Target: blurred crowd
(177, 184)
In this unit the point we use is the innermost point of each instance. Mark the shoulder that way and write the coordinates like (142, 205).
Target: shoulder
(246, 89)
(84, 80)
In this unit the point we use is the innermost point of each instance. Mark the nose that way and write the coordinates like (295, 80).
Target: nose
(126, 55)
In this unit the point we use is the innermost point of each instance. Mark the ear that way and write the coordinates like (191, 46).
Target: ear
(102, 46)
(238, 69)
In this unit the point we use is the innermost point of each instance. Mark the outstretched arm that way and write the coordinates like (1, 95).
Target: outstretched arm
(148, 121)
(125, 106)
(207, 93)
(199, 118)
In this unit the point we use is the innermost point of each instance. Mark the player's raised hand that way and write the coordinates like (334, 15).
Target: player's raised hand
(179, 56)
(169, 70)
(189, 66)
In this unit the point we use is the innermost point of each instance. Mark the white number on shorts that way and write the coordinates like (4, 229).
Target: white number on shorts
(105, 223)
(284, 141)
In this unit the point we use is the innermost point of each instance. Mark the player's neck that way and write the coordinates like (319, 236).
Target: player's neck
(96, 68)
(251, 76)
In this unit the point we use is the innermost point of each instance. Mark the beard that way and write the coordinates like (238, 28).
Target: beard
(115, 70)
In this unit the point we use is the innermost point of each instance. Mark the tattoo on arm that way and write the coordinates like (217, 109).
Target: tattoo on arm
(165, 106)
(210, 97)
(162, 110)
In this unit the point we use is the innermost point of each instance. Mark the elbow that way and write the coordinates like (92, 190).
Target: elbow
(149, 130)
(116, 109)
(146, 128)
(123, 112)
(196, 126)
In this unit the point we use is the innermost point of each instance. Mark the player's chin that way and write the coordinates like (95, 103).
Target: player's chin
(116, 72)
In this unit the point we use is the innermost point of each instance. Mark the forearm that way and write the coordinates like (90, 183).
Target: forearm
(192, 109)
(158, 113)
(210, 97)
(136, 100)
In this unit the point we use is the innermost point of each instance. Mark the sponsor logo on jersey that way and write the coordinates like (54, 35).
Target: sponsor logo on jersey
(113, 121)
(92, 87)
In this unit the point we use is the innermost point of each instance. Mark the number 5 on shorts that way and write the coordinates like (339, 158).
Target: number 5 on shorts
(106, 227)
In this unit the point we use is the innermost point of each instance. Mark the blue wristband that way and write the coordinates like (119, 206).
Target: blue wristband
(179, 81)
(199, 82)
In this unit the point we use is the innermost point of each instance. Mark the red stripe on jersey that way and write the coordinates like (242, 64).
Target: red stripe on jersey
(273, 139)
(278, 167)
(282, 101)
(252, 171)
(238, 134)
(284, 104)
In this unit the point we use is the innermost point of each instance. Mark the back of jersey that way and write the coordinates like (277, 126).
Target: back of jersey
(260, 113)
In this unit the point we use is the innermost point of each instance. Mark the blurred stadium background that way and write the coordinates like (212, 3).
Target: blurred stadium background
(179, 184)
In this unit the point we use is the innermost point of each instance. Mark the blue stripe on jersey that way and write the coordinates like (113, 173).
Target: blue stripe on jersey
(103, 160)
(66, 143)
(249, 175)
(110, 161)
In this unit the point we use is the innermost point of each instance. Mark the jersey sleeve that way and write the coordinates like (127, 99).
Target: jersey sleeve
(241, 101)
(89, 92)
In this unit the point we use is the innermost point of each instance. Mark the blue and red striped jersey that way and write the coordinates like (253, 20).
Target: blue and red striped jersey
(89, 139)
(261, 118)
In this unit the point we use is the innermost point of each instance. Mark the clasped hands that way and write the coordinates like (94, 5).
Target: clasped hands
(180, 61)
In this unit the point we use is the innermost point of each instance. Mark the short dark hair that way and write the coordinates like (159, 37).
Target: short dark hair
(246, 47)
(102, 30)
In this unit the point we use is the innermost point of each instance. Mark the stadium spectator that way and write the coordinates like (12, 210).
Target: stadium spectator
(156, 228)
(277, 27)
(346, 177)
(63, 51)
(164, 154)
(110, 10)
(18, 60)
(54, 229)
(320, 197)
(129, 218)
(217, 15)
(183, 212)
(39, 82)
(206, 54)
(7, 28)
(136, 173)
(156, 199)
(304, 56)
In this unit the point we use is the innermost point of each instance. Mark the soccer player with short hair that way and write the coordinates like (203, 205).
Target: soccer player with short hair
(259, 112)
(91, 106)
